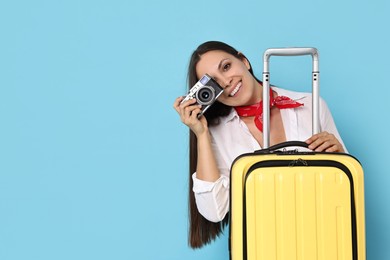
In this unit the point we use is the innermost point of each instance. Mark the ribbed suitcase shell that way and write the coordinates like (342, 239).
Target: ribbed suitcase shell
(303, 206)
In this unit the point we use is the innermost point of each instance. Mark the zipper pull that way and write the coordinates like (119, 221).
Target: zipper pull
(298, 162)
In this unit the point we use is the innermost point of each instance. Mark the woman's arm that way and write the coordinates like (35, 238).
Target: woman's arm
(207, 169)
(210, 188)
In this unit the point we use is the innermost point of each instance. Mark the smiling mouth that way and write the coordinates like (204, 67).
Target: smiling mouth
(236, 89)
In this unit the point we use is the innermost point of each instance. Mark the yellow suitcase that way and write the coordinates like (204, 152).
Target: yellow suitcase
(294, 206)
(290, 205)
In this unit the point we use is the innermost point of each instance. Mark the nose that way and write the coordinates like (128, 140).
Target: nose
(226, 82)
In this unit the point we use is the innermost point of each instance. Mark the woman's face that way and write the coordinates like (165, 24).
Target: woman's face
(240, 87)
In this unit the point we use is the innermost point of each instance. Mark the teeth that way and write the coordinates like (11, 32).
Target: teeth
(235, 90)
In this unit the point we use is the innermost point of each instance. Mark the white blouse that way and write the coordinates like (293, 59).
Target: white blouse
(231, 138)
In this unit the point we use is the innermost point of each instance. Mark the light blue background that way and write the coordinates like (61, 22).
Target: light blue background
(93, 158)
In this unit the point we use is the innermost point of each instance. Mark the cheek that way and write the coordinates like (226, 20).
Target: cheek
(221, 98)
(228, 101)
(224, 100)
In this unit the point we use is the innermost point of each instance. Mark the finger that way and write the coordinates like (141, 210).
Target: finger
(314, 141)
(317, 143)
(317, 139)
(333, 149)
(195, 113)
(324, 141)
(177, 102)
(327, 142)
(189, 111)
(177, 105)
(316, 136)
(312, 138)
(323, 146)
(336, 147)
(188, 103)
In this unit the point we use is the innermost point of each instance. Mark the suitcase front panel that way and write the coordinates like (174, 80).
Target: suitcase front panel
(296, 220)
(298, 213)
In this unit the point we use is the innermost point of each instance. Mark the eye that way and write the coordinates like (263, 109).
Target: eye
(226, 66)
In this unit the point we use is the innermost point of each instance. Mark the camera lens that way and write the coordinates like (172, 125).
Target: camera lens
(205, 95)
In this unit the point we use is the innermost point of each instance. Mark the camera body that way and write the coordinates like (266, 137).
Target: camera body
(205, 91)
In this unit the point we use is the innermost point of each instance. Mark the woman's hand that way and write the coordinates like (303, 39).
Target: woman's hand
(324, 141)
(188, 112)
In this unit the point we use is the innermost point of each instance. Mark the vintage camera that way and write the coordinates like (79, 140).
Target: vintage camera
(206, 91)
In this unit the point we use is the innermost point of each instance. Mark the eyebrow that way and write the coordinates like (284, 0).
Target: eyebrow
(220, 63)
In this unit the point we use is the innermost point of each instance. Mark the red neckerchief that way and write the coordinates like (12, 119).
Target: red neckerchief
(281, 102)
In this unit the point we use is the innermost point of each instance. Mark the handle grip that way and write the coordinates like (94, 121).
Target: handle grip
(295, 51)
(283, 145)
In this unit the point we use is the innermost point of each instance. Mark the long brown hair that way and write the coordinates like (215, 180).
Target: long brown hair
(202, 231)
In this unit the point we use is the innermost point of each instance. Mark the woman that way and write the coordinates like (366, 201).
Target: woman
(225, 131)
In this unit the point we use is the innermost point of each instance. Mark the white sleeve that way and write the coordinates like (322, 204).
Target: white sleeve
(212, 198)
(327, 122)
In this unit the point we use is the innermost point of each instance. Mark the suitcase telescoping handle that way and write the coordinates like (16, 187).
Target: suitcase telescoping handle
(266, 86)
